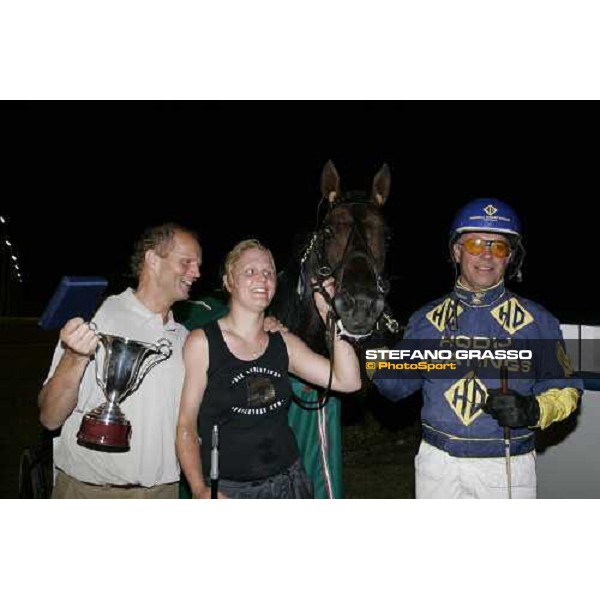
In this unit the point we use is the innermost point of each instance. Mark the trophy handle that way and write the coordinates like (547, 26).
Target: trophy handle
(99, 381)
(162, 350)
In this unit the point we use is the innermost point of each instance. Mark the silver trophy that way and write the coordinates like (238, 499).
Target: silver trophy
(121, 365)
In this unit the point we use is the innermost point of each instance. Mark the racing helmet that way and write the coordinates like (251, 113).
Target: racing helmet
(493, 216)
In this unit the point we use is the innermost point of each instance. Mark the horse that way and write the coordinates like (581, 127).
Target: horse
(350, 244)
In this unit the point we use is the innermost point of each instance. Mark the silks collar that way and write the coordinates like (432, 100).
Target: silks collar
(481, 298)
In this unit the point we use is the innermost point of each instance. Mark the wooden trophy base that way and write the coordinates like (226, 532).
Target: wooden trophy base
(100, 435)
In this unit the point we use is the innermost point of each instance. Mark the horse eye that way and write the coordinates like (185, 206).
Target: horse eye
(328, 231)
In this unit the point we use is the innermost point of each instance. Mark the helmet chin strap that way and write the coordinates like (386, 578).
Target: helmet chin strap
(487, 289)
(514, 267)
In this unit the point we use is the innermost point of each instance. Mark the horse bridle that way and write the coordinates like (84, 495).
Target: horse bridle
(316, 247)
(333, 323)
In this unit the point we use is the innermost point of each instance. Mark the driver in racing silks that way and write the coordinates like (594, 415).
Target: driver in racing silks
(478, 427)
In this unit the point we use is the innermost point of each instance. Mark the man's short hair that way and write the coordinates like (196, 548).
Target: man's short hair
(158, 238)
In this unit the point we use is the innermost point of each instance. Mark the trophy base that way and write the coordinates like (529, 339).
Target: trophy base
(100, 435)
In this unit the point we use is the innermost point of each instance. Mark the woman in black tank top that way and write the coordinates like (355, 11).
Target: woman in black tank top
(236, 378)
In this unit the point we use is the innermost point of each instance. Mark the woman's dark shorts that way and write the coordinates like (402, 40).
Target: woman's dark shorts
(293, 483)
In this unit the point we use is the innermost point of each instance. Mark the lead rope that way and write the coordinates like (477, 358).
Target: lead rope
(330, 332)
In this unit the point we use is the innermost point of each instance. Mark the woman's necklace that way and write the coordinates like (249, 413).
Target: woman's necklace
(260, 349)
(235, 340)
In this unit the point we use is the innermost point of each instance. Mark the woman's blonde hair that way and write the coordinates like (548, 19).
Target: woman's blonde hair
(234, 255)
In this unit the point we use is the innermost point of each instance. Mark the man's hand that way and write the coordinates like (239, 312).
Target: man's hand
(78, 338)
(512, 409)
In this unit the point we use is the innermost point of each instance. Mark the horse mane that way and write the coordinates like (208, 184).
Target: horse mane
(293, 304)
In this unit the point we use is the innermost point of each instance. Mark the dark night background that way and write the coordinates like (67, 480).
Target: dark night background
(93, 170)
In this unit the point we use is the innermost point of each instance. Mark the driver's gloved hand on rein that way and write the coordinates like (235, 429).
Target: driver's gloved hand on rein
(512, 409)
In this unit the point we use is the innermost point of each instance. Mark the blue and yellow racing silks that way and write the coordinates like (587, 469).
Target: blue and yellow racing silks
(452, 417)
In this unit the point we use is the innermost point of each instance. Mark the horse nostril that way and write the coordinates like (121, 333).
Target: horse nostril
(343, 302)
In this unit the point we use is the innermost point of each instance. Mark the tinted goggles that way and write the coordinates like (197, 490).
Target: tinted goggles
(477, 246)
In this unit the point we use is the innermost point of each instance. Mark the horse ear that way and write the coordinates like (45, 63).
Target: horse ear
(381, 185)
(330, 182)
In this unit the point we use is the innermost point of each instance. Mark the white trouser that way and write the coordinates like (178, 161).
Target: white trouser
(439, 475)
